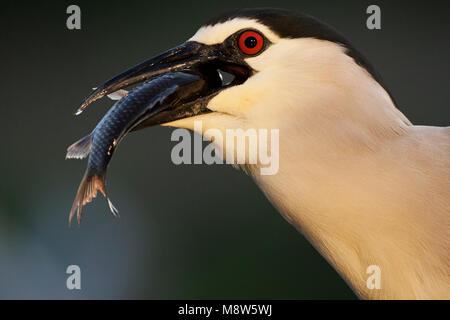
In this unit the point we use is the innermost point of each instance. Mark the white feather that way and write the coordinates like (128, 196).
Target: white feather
(363, 184)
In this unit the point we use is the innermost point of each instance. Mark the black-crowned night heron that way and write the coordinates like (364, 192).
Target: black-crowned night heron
(363, 184)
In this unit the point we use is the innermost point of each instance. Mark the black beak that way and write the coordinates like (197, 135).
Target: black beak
(190, 56)
(186, 56)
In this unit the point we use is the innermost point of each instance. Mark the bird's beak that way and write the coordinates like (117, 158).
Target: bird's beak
(191, 57)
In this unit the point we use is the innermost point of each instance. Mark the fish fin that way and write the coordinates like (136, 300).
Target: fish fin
(86, 192)
(80, 149)
(113, 209)
(117, 95)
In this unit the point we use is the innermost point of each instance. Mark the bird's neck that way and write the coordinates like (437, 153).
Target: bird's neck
(348, 181)
(349, 189)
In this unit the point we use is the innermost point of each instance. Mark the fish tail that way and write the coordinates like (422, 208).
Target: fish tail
(80, 149)
(87, 191)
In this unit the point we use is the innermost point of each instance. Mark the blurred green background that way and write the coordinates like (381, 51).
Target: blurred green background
(185, 232)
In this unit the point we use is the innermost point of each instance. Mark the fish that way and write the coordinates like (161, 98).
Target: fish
(128, 114)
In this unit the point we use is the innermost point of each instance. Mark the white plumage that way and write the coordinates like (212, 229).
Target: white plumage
(362, 183)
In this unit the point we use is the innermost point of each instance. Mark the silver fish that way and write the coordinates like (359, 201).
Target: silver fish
(153, 97)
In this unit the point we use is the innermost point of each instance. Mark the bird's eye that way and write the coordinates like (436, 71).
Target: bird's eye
(250, 42)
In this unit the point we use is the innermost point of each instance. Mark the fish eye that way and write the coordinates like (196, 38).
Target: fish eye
(250, 42)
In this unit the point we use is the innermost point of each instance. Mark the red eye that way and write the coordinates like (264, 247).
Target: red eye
(251, 42)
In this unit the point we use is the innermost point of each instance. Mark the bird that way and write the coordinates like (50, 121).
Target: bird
(364, 185)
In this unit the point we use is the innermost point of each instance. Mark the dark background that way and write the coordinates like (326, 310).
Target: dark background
(189, 231)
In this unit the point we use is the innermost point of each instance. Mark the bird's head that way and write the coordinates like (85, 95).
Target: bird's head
(289, 71)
